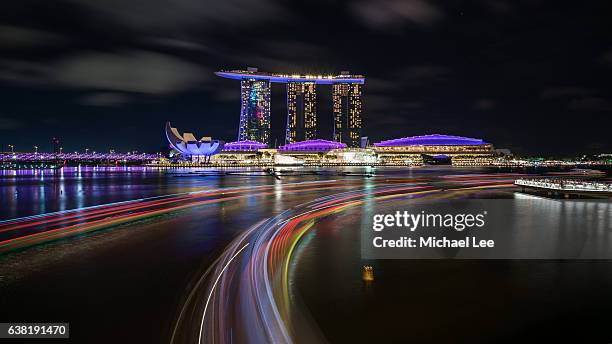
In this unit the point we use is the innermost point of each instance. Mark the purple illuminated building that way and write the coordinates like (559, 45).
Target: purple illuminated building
(431, 140)
(434, 149)
(312, 146)
(244, 146)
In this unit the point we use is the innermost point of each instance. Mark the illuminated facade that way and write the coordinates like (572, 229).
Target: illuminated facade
(310, 152)
(416, 150)
(254, 111)
(244, 146)
(350, 156)
(312, 146)
(347, 113)
(408, 151)
(301, 112)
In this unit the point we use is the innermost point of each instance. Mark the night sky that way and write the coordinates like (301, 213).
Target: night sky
(531, 76)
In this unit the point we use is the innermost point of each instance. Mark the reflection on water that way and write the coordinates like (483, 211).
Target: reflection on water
(29, 192)
(465, 300)
(561, 229)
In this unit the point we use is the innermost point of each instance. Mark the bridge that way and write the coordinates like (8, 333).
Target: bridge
(63, 158)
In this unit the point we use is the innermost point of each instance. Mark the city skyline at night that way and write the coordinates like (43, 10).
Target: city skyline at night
(272, 171)
(530, 76)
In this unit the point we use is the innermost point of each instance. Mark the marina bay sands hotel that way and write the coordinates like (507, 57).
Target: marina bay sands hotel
(301, 105)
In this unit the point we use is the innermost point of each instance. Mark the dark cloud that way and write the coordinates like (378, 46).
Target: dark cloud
(591, 104)
(10, 123)
(380, 85)
(484, 104)
(105, 99)
(17, 37)
(293, 56)
(390, 120)
(563, 92)
(50, 120)
(227, 94)
(377, 103)
(580, 99)
(499, 6)
(292, 49)
(412, 105)
(130, 71)
(176, 43)
(607, 57)
(263, 61)
(385, 14)
(422, 74)
(283, 55)
(178, 15)
(23, 73)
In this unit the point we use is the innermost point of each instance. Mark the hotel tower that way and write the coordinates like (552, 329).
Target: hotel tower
(301, 105)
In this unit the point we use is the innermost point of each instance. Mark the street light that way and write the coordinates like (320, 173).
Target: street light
(12, 148)
(35, 149)
(60, 149)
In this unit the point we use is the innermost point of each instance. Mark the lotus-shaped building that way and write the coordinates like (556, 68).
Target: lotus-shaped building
(190, 147)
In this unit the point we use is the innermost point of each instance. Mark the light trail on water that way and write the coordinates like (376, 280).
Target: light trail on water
(245, 294)
(37, 229)
(254, 297)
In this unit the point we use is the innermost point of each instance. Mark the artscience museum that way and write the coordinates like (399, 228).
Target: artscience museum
(191, 148)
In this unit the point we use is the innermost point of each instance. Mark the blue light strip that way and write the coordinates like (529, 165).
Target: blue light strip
(286, 79)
